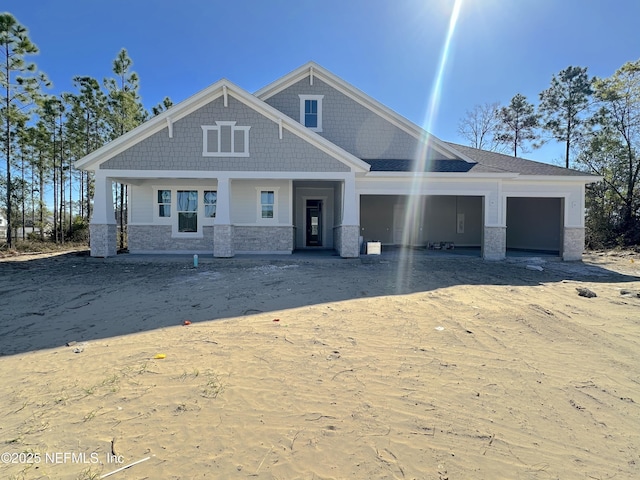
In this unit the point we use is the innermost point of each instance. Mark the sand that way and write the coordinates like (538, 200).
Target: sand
(319, 368)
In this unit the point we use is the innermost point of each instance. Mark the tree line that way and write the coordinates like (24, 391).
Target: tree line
(597, 120)
(42, 135)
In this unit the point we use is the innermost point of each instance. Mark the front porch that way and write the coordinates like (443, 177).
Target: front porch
(228, 215)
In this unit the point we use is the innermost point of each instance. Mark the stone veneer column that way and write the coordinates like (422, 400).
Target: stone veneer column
(222, 229)
(349, 241)
(103, 240)
(103, 228)
(572, 243)
(349, 237)
(494, 243)
(223, 241)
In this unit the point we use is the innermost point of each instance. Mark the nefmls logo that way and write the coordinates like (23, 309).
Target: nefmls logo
(72, 457)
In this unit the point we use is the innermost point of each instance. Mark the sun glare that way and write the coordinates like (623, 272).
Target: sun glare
(414, 200)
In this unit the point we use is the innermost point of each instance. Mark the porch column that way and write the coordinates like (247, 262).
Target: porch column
(494, 234)
(222, 228)
(573, 236)
(349, 232)
(103, 229)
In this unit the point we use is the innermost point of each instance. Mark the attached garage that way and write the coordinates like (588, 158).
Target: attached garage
(403, 221)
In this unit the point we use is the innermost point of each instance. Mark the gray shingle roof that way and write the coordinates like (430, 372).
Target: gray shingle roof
(397, 165)
(507, 163)
(486, 162)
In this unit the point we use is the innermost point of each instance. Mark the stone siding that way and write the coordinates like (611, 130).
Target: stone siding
(263, 239)
(223, 241)
(103, 240)
(573, 244)
(494, 243)
(184, 151)
(158, 238)
(347, 240)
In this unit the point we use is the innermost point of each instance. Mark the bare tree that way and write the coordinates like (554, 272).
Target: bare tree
(480, 125)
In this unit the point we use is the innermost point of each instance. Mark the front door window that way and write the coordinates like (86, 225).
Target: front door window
(314, 223)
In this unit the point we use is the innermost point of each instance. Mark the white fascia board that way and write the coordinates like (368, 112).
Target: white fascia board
(215, 175)
(561, 178)
(363, 99)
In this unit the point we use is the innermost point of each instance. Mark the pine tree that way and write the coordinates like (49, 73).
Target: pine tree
(518, 123)
(20, 83)
(126, 113)
(563, 105)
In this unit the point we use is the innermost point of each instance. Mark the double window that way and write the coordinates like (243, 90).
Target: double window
(191, 207)
(311, 111)
(225, 139)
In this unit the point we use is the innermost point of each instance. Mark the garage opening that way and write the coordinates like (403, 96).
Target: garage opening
(436, 220)
(534, 225)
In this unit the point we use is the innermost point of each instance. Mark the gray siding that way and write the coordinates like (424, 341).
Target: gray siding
(347, 123)
(184, 150)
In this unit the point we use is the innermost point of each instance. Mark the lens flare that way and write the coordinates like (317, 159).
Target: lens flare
(415, 198)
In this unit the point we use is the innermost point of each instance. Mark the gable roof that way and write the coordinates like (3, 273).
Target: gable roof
(219, 89)
(312, 69)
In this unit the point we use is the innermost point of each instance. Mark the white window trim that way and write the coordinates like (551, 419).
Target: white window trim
(205, 140)
(276, 194)
(318, 98)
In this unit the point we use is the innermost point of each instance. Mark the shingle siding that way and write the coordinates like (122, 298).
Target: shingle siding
(184, 150)
(347, 123)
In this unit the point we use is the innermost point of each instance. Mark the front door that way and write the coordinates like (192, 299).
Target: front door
(314, 223)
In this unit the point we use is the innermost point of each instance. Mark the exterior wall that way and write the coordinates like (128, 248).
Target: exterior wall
(347, 123)
(184, 150)
(573, 244)
(158, 239)
(103, 240)
(494, 243)
(245, 198)
(534, 223)
(263, 239)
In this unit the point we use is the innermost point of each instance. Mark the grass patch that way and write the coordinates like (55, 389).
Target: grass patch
(21, 247)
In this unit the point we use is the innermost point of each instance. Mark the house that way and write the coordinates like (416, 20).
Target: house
(311, 162)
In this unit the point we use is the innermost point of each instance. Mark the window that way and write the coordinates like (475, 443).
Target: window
(225, 139)
(267, 203)
(164, 203)
(311, 111)
(187, 211)
(210, 200)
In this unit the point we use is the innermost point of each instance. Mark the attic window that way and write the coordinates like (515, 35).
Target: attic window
(225, 139)
(311, 111)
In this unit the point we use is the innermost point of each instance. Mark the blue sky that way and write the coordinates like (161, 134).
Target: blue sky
(390, 49)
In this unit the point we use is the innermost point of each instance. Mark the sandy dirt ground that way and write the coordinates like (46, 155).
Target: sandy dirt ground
(436, 367)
